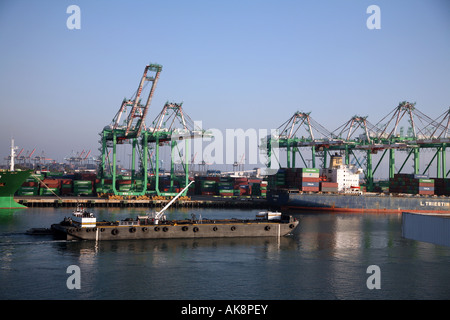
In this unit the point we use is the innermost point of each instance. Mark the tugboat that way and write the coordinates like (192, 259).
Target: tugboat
(83, 226)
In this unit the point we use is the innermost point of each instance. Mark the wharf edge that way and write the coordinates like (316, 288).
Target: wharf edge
(195, 202)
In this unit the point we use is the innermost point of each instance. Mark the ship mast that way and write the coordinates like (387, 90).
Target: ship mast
(13, 155)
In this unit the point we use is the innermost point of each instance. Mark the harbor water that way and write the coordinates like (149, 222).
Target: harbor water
(330, 256)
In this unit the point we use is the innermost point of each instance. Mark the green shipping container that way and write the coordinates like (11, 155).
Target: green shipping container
(310, 170)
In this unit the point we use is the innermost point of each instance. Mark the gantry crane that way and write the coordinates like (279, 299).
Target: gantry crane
(171, 126)
(133, 130)
(129, 131)
(385, 136)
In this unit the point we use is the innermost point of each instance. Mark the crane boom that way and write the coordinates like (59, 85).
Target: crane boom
(160, 213)
(139, 111)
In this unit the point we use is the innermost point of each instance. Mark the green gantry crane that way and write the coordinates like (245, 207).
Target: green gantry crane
(386, 136)
(132, 130)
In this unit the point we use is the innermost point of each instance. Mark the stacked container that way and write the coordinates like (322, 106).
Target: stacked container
(303, 179)
(263, 187)
(123, 185)
(88, 185)
(442, 186)
(411, 184)
(225, 186)
(277, 180)
(241, 187)
(83, 187)
(66, 187)
(309, 179)
(258, 188)
(107, 186)
(31, 185)
(206, 185)
(328, 186)
(49, 187)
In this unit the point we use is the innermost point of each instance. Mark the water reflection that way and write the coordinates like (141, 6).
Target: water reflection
(337, 232)
(326, 258)
(91, 248)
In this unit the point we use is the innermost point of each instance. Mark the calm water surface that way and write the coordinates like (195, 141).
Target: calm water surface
(326, 258)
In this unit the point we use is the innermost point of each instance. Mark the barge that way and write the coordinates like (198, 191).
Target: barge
(84, 226)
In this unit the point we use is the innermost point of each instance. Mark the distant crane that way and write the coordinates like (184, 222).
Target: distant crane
(236, 165)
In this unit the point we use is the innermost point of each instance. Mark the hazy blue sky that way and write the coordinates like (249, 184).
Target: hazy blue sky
(234, 64)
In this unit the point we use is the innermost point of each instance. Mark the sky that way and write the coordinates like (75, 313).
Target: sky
(234, 64)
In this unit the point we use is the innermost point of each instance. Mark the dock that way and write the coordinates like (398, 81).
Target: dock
(194, 202)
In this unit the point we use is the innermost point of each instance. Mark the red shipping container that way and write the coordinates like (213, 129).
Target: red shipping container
(313, 189)
(51, 183)
(65, 181)
(307, 179)
(329, 184)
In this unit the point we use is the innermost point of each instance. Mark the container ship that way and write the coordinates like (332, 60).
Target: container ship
(84, 226)
(337, 189)
(10, 181)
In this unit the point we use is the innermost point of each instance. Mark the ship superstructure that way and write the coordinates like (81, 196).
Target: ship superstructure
(347, 177)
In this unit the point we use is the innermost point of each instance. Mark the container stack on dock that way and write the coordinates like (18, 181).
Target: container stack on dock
(89, 185)
(258, 188)
(206, 185)
(31, 186)
(230, 186)
(83, 187)
(225, 187)
(66, 187)
(411, 184)
(49, 187)
(241, 187)
(107, 186)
